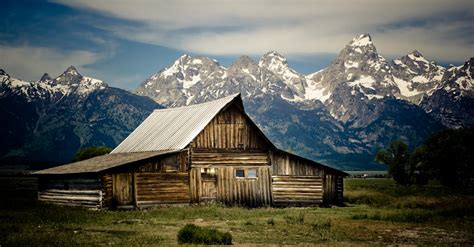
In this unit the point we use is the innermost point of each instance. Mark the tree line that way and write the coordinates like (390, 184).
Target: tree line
(446, 156)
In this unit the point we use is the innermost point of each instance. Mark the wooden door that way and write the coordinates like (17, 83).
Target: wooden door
(208, 188)
(123, 189)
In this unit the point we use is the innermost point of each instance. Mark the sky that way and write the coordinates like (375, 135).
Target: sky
(124, 42)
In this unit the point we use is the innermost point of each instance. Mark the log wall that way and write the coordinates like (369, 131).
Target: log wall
(230, 129)
(291, 190)
(161, 188)
(214, 157)
(85, 192)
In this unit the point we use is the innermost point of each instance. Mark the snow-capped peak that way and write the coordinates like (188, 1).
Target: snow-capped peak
(278, 64)
(361, 40)
(417, 56)
(274, 55)
(71, 70)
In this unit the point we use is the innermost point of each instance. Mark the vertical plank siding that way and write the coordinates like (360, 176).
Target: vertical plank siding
(287, 164)
(230, 129)
(107, 188)
(230, 190)
(84, 192)
(333, 188)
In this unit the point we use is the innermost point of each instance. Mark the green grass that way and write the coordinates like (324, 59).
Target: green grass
(377, 212)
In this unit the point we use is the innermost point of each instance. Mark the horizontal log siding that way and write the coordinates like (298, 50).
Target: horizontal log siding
(285, 164)
(86, 192)
(229, 158)
(162, 188)
(230, 129)
(297, 190)
(251, 192)
(85, 198)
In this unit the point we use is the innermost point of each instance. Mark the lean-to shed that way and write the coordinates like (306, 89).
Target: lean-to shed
(210, 152)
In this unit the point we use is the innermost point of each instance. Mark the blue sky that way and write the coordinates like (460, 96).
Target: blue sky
(124, 42)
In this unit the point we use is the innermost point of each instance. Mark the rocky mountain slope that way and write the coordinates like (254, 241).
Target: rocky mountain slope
(340, 115)
(46, 121)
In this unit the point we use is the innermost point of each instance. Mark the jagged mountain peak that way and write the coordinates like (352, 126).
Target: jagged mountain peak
(71, 70)
(2, 72)
(45, 77)
(415, 53)
(361, 40)
(244, 59)
(273, 61)
(274, 55)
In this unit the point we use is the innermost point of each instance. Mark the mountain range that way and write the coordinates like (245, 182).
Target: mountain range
(340, 115)
(45, 122)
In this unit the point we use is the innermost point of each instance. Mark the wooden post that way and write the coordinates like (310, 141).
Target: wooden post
(135, 197)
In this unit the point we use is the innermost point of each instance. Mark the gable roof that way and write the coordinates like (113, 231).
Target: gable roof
(172, 128)
(100, 163)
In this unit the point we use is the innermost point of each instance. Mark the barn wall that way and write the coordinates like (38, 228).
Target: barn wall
(287, 164)
(292, 173)
(213, 177)
(333, 188)
(107, 199)
(161, 188)
(230, 129)
(75, 191)
(297, 190)
(223, 186)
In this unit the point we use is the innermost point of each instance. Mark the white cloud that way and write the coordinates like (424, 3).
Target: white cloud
(31, 62)
(229, 27)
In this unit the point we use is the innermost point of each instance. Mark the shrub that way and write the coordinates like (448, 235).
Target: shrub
(192, 234)
(271, 221)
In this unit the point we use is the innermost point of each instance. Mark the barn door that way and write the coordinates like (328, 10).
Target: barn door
(208, 187)
(123, 189)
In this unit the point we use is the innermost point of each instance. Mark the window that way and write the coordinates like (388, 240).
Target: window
(210, 171)
(252, 173)
(239, 173)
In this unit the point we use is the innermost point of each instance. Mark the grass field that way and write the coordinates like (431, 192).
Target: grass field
(377, 212)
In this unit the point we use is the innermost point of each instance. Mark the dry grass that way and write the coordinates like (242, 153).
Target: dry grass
(377, 213)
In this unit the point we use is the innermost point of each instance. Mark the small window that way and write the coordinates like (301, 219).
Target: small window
(239, 173)
(210, 171)
(252, 173)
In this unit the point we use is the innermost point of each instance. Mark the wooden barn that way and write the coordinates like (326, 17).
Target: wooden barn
(210, 152)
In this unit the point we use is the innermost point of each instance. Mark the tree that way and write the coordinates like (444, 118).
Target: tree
(89, 152)
(397, 158)
(448, 156)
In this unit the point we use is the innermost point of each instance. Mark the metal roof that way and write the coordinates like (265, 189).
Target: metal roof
(101, 163)
(172, 128)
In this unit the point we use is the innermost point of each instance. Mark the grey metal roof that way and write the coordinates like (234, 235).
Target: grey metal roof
(172, 128)
(100, 163)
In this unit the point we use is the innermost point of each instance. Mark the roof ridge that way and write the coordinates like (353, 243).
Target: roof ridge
(200, 104)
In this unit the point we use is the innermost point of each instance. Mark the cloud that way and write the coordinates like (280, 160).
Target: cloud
(229, 27)
(31, 62)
